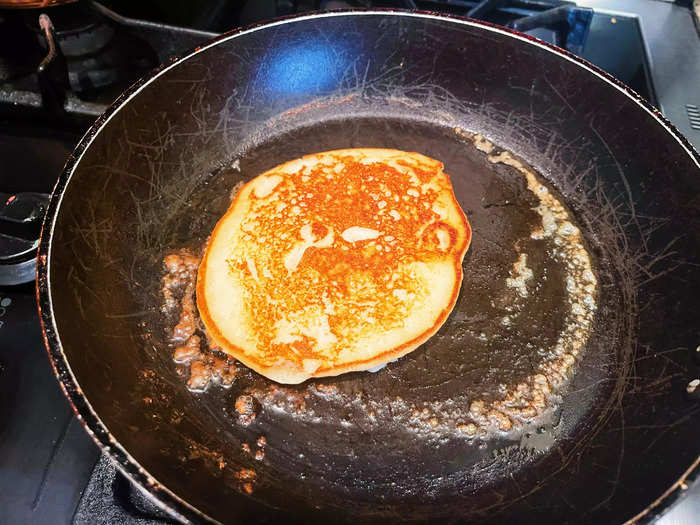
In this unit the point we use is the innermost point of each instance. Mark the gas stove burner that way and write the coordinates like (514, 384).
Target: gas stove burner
(21, 215)
(96, 55)
(90, 55)
(79, 31)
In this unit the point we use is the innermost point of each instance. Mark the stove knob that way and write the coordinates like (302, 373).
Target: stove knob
(21, 215)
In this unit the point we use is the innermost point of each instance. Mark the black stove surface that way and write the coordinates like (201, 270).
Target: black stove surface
(46, 458)
(50, 469)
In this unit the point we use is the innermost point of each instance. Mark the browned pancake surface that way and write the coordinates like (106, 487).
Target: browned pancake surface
(336, 262)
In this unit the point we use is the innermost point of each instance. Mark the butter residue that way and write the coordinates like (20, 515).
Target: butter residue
(529, 398)
(520, 275)
(570, 251)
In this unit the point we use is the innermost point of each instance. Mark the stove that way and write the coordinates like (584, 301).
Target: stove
(59, 69)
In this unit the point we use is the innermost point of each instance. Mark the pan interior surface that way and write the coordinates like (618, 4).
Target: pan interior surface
(156, 173)
(409, 434)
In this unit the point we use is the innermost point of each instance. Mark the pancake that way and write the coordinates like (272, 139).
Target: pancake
(336, 262)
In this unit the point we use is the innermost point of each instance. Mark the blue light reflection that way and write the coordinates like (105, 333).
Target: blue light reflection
(310, 67)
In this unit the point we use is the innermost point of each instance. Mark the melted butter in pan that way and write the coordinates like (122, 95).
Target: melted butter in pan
(523, 319)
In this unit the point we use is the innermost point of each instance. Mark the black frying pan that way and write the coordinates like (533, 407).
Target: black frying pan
(154, 173)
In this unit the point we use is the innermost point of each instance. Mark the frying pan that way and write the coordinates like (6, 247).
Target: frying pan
(154, 174)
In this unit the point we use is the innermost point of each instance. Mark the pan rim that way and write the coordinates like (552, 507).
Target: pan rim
(157, 492)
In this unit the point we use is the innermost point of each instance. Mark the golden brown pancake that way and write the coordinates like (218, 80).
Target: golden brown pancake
(336, 262)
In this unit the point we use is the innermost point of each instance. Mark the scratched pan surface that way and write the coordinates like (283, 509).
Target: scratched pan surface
(154, 174)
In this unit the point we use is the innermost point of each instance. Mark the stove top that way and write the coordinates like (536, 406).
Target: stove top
(50, 470)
